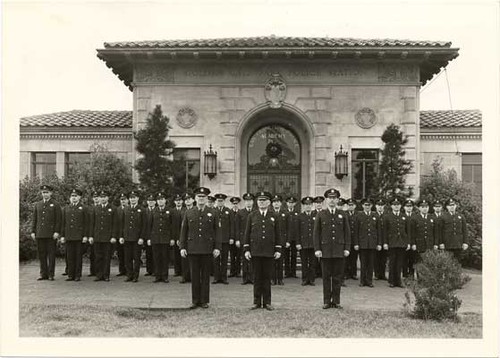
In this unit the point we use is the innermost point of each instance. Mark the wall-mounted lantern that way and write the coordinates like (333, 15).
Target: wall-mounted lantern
(210, 163)
(341, 163)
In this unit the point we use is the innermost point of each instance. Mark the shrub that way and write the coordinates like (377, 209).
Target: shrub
(432, 294)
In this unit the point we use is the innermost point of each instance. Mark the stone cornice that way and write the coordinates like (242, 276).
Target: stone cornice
(440, 136)
(77, 136)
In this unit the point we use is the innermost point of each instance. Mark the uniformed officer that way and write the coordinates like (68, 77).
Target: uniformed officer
(290, 258)
(396, 240)
(380, 256)
(262, 244)
(235, 251)
(211, 201)
(225, 230)
(318, 206)
(283, 218)
(151, 206)
(367, 237)
(186, 270)
(342, 204)
(177, 214)
(408, 269)
(45, 230)
(160, 235)
(199, 242)
(453, 230)
(422, 230)
(305, 243)
(75, 231)
(246, 265)
(132, 235)
(437, 207)
(103, 233)
(119, 247)
(88, 247)
(351, 267)
(332, 241)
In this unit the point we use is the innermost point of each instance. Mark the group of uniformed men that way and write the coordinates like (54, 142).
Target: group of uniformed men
(261, 241)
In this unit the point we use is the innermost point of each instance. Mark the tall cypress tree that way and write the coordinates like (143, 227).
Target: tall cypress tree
(393, 167)
(154, 167)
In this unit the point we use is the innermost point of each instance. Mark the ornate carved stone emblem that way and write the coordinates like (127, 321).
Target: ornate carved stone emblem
(186, 117)
(275, 90)
(366, 118)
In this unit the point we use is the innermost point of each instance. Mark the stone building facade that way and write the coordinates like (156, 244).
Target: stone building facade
(277, 110)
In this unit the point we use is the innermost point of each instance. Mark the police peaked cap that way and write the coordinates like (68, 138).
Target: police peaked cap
(188, 195)
(211, 198)
(234, 200)
(395, 200)
(133, 193)
(341, 201)
(46, 187)
(150, 197)
(319, 199)
(307, 200)
(95, 194)
(451, 201)
(380, 202)
(220, 196)
(123, 196)
(161, 195)
(248, 196)
(422, 202)
(351, 201)
(332, 193)
(366, 200)
(409, 201)
(76, 191)
(291, 199)
(277, 197)
(265, 194)
(103, 193)
(177, 197)
(202, 191)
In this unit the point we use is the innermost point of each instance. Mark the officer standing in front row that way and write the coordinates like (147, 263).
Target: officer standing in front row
(262, 244)
(198, 242)
(453, 230)
(332, 241)
(305, 243)
(45, 230)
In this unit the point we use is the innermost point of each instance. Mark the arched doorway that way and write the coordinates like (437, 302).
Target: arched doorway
(274, 161)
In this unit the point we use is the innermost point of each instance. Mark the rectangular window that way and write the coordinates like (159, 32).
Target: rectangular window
(364, 164)
(73, 159)
(187, 173)
(43, 164)
(472, 171)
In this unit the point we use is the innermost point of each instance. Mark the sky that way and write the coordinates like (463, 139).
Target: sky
(49, 61)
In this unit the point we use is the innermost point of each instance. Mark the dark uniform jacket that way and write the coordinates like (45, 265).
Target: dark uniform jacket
(331, 233)
(225, 227)
(242, 222)
(396, 229)
(306, 229)
(453, 231)
(233, 215)
(46, 219)
(351, 216)
(103, 223)
(199, 231)
(367, 231)
(423, 232)
(160, 229)
(148, 213)
(293, 226)
(177, 216)
(75, 222)
(133, 222)
(284, 222)
(262, 234)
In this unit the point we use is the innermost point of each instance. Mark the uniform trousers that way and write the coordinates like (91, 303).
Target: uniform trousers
(351, 264)
(102, 259)
(89, 248)
(186, 269)
(121, 257)
(396, 260)
(200, 277)
(235, 256)
(150, 262)
(408, 269)
(291, 260)
(74, 256)
(367, 257)
(161, 260)
(380, 264)
(333, 272)
(220, 264)
(278, 270)
(246, 269)
(457, 253)
(177, 260)
(262, 267)
(46, 248)
(132, 251)
(308, 261)
(318, 267)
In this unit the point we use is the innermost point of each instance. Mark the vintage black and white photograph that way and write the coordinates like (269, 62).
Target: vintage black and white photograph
(250, 169)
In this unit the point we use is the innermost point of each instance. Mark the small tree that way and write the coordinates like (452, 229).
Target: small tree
(154, 167)
(393, 168)
(442, 185)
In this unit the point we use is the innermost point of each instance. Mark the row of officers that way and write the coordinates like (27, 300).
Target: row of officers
(261, 241)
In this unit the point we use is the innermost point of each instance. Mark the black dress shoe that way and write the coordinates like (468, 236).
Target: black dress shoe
(361, 285)
(280, 283)
(51, 278)
(98, 279)
(312, 284)
(214, 282)
(354, 277)
(269, 307)
(135, 280)
(193, 306)
(303, 283)
(370, 285)
(41, 278)
(244, 283)
(273, 283)
(326, 306)
(69, 279)
(64, 274)
(225, 282)
(120, 274)
(106, 279)
(91, 274)
(77, 278)
(391, 285)
(182, 281)
(255, 306)
(148, 274)
(343, 284)
(157, 280)
(128, 279)
(166, 280)
(337, 306)
(204, 305)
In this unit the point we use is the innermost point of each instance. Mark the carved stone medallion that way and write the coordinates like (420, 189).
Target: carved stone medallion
(275, 90)
(366, 118)
(186, 117)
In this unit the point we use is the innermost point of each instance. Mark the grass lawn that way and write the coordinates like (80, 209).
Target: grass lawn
(39, 320)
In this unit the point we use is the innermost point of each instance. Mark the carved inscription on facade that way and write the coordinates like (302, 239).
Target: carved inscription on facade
(154, 73)
(397, 73)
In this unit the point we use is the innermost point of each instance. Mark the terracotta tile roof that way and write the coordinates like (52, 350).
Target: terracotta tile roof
(79, 118)
(275, 41)
(457, 118)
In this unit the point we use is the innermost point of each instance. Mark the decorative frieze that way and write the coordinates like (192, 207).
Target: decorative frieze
(154, 73)
(77, 136)
(450, 136)
(390, 72)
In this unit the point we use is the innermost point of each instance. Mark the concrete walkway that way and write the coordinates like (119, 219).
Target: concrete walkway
(146, 294)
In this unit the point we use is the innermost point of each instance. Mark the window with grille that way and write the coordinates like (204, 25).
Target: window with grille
(472, 171)
(364, 170)
(187, 161)
(43, 164)
(73, 159)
